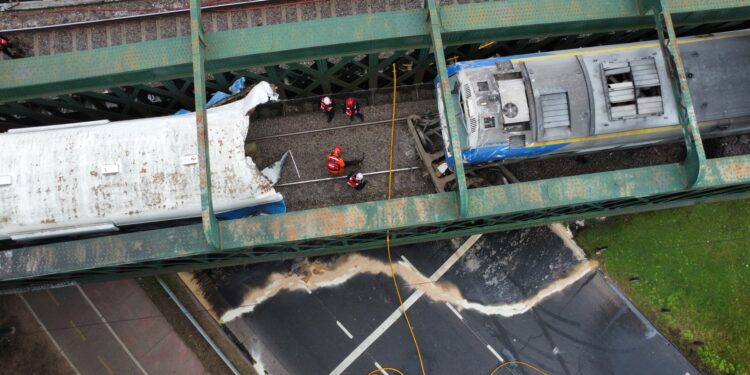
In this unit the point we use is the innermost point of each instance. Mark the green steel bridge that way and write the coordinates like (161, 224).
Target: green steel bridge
(359, 49)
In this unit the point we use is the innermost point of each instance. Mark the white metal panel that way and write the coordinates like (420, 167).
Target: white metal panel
(60, 178)
(513, 92)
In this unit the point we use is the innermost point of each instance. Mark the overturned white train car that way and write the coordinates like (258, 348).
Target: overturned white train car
(97, 176)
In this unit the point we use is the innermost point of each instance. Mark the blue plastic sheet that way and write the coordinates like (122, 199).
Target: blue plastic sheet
(268, 209)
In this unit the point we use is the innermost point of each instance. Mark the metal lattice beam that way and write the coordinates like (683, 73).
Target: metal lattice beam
(239, 49)
(410, 220)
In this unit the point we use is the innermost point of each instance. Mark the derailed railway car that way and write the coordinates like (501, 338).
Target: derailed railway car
(92, 177)
(595, 99)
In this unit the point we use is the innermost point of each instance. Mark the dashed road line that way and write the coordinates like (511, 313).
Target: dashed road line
(454, 310)
(408, 263)
(378, 366)
(495, 353)
(104, 364)
(44, 328)
(344, 329)
(75, 327)
(112, 331)
(396, 314)
(52, 297)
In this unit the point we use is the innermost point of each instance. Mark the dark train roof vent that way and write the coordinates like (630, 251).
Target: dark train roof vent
(472, 125)
(467, 91)
(555, 110)
(517, 141)
(633, 88)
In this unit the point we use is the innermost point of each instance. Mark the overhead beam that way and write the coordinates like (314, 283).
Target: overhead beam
(198, 46)
(695, 158)
(412, 219)
(164, 59)
(451, 115)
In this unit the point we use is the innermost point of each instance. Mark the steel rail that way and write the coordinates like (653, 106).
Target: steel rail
(325, 129)
(135, 16)
(343, 177)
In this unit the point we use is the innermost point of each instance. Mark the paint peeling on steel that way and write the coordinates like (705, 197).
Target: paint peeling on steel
(58, 180)
(371, 217)
(164, 59)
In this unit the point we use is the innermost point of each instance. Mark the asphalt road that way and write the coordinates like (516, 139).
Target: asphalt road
(471, 307)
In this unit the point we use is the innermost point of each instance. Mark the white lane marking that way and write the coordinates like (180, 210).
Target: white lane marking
(454, 310)
(112, 331)
(495, 353)
(407, 262)
(344, 329)
(44, 328)
(454, 257)
(377, 365)
(369, 340)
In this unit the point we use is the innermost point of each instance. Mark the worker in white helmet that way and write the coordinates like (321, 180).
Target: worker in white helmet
(326, 105)
(356, 180)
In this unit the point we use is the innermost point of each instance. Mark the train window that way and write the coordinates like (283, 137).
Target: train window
(483, 86)
(489, 122)
(633, 88)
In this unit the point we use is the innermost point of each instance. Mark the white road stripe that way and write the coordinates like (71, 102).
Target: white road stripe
(407, 262)
(495, 353)
(44, 328)
(454, 310)
(344, 329)
(101, 317)
(377, 365)
(369, 340)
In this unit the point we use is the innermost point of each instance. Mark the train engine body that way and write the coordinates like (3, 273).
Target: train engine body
(595, 99)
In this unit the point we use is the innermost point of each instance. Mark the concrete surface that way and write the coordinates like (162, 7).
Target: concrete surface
(134, 337)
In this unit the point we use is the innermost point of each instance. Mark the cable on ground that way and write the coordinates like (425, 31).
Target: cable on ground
(373, 372)
(506, 364)
(388, 241)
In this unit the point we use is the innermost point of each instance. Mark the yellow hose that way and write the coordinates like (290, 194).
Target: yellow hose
(388, 240)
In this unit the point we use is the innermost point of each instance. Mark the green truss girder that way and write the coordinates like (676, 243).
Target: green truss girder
(451, 112)
(410, 220)
(696, 156)
(211, 228)
(239, 49)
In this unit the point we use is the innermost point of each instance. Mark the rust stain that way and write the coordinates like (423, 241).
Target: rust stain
(93, 173)
(735, 171)
(575, 189)
(531, 194)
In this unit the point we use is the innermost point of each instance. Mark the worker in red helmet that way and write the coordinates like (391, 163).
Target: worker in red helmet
(336, 163)
(351, 109)
(9, 48)
(326, 105)
(356, 180)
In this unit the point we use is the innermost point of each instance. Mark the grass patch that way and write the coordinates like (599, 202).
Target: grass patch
(694, 262)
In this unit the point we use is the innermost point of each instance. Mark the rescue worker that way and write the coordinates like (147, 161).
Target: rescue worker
(326, 105)
(351, 109)
(9, 48)
(336, 163)
(356, 180)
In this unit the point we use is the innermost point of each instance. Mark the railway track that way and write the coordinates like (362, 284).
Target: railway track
(45, 32)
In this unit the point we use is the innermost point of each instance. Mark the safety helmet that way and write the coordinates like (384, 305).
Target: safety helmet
(337, 150)
(360, 176)
(326, 100)
(350, 102)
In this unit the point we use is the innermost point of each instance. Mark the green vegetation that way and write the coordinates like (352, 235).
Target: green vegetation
(694, 261)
